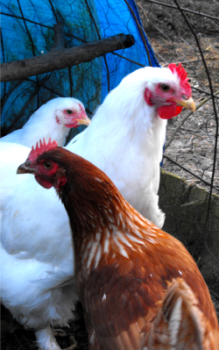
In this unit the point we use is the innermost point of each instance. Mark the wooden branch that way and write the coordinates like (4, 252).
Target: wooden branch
(204, 91)
(182, 8)
(192, 60)
(62, 58)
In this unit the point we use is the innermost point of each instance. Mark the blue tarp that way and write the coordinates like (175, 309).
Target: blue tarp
(27, 31)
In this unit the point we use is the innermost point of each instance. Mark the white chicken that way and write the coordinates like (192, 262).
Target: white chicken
(55, 118)
(125, 139)
(127, 134)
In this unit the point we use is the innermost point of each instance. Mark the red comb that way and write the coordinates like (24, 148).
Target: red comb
(179, 69)
(181, 72)
(41, 148)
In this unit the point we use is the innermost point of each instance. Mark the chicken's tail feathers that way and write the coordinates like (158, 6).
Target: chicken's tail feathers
(180, 324)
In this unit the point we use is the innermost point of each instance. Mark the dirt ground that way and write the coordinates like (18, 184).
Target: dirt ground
(193, 146)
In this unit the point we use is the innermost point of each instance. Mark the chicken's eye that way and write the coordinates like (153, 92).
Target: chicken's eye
(47, 165)
(165, 87)
(69, 111)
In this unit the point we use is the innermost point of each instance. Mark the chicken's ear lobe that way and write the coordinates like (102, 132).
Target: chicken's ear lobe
(41, 148)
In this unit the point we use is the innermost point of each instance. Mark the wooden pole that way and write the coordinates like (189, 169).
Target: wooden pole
(61, 58)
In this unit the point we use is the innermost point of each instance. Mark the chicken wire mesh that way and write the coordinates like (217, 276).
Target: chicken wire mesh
(191, 144)
(28, 30)
(172, 40)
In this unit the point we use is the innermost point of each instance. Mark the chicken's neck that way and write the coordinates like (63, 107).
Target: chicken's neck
(134, 127)
(39, 127)
(107, 229)
(93, 221)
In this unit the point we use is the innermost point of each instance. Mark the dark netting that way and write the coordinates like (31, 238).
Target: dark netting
(28, 31)
(192, 214)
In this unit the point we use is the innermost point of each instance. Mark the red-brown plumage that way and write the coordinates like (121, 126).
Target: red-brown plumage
(129, 272)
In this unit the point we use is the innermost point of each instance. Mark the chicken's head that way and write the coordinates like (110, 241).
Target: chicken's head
(46, 172)
(171, 95)
(73, 115)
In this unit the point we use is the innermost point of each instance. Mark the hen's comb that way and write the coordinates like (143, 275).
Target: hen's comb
(41, 147)
(181, 72)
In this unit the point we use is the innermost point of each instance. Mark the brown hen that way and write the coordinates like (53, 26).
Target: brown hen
(140, 288)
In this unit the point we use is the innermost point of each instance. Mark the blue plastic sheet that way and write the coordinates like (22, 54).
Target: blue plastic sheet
(27, 31)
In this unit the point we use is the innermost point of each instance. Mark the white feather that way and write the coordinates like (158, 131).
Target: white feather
(174, 323)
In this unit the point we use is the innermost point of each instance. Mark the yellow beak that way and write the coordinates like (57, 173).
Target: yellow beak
(84, 121)
(190, 104)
